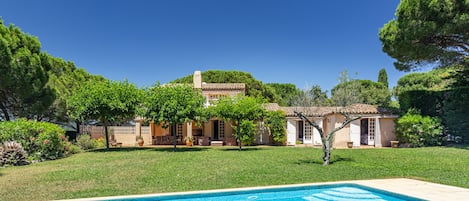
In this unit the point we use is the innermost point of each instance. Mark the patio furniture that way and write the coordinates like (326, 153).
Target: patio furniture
(204, 141)
(216, 143)
(114, 143)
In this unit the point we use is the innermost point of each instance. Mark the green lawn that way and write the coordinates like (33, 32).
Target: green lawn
(156, 170)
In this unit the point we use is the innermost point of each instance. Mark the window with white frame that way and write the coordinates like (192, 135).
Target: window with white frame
(371, 129)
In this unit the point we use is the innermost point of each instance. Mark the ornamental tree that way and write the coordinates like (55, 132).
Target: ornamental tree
(172, 105)
(105, 101)
(237, 109)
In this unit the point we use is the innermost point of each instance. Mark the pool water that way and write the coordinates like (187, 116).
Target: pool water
(341, 192)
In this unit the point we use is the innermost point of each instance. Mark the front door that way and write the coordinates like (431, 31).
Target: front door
(367, 132)
(300, 131)
(364, 131)
(215, 129)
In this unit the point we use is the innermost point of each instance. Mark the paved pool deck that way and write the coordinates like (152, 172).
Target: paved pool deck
(418, 189)
(410, 187)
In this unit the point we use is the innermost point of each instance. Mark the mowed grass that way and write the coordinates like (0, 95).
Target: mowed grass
(156, 170)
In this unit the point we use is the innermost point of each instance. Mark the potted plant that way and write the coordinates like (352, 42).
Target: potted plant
(189, 140)
(140, 140)
(350, 144)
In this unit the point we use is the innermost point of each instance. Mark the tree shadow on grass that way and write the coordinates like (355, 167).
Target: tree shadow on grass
(160, 149)
(243, 149)
(457, 146)
(319, 161)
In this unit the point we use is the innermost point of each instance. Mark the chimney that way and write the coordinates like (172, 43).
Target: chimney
(197, 80)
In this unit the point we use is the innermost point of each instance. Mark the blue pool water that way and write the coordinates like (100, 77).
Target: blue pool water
(340, 192)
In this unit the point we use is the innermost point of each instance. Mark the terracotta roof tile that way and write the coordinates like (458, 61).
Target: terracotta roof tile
(309, 111)
(321, 111)
(271, 107)
(241, 86)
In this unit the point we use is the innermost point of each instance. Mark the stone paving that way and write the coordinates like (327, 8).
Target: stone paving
(418, 189)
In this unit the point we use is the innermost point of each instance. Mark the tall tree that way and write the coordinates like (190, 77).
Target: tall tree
(427, 32)
(171, 105)
(383, 77)
(347, 91)
(254, 87)
(23, 77)
(285, 92)
(64, 80)
(351, 91)
(108, 102)
(311, 97)
(238, 109)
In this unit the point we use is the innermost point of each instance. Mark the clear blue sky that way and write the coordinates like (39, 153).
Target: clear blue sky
(303, 42)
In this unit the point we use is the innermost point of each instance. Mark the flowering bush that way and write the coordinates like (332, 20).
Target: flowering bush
(41, 140)
(419, 130)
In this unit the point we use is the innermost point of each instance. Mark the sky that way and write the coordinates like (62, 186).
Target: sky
(304, 42)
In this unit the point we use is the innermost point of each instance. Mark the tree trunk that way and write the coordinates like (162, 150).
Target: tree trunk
(78, 123)
(327, 153)
(173, 131)
(5, 112)
(107, 137)
(239, 136)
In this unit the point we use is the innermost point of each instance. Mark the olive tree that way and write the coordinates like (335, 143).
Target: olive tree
(238, 109)
(327, 138)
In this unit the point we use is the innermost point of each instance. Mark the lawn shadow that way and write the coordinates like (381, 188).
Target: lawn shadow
(160, 149)
(457, 146)
(319, 161)
(243, 149)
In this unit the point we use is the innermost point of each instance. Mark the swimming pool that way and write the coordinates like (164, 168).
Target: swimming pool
(345, 192)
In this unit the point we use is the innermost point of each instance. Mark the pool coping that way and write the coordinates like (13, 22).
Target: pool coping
(408, 187)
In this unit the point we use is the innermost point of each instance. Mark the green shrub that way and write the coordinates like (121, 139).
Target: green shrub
(85, 142)
(455, 110)
(41, 140)
(275, 121)
(419, 130)
(248, 131)
(74, 149)
(100, 143)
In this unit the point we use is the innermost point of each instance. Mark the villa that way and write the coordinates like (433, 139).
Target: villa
(375, 128)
